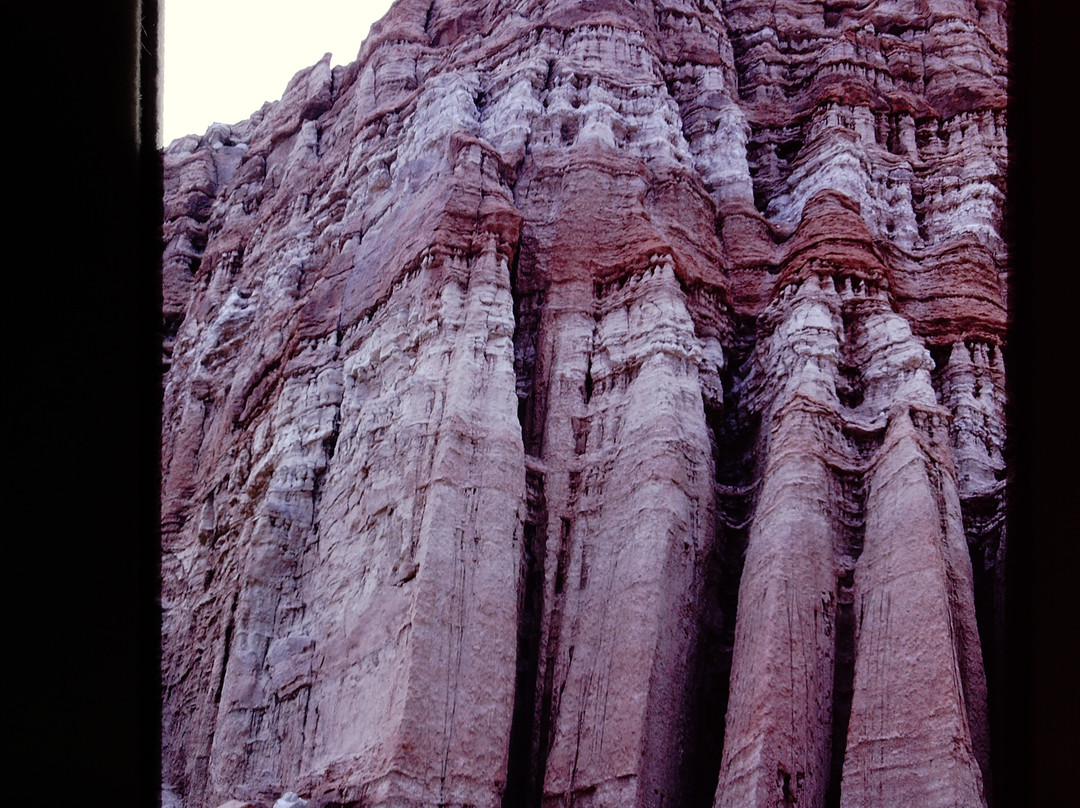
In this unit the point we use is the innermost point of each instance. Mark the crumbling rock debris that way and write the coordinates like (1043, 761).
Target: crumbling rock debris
(593, 403)
(290, 799)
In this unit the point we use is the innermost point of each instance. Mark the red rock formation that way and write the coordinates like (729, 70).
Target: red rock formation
(592, 403)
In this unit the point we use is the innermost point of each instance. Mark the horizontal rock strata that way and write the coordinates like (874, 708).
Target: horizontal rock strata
(596, 404)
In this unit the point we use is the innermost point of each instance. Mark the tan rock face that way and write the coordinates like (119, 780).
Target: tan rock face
(596, 404)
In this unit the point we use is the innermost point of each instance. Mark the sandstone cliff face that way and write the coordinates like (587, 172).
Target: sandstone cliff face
(593, 403)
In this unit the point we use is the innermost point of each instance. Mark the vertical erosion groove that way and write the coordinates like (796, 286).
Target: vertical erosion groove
(225, 652)
(984, 527)
(523, 771)
(851, 503)
(733, 434)
(525, 766)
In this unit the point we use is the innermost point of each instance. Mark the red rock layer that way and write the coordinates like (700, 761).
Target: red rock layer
(592, 403)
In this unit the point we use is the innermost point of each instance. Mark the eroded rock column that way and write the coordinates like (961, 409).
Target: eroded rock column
(416, 593)
(910, 738)
(777, 741)
(628, 547)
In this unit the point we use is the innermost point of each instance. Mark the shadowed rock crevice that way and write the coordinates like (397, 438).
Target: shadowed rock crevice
(851, 496)
(734, 436)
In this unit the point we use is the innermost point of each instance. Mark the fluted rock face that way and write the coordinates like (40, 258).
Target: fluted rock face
(593, 403)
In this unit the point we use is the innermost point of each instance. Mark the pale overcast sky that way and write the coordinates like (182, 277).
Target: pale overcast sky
(221, 59)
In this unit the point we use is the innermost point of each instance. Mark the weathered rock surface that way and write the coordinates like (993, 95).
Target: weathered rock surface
(593, 403)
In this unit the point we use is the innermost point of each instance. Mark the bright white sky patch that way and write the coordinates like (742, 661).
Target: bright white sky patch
(221, 59)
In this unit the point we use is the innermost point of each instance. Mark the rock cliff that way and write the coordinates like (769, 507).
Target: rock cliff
(593, 403)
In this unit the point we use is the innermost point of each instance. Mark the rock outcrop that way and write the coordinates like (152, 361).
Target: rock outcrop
(593, 403)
